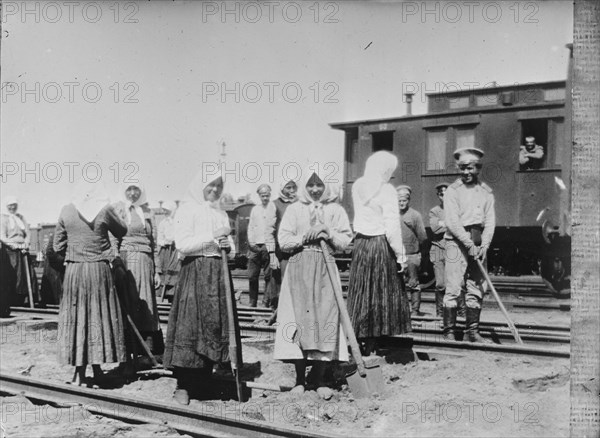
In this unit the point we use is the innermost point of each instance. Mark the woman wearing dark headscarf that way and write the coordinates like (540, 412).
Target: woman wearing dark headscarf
(90, 323)
(15, 237)
(377, 300)
(308, 318)
(198, 335)
(136, 250)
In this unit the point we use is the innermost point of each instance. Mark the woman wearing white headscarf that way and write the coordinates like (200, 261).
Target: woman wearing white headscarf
(377, 301)
(136, 250)
(307, 302)
(198, 334)
(90, 323)
(15, 236)
(168, 256)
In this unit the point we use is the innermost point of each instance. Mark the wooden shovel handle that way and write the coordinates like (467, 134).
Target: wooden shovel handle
(344, 317)
(511, 324)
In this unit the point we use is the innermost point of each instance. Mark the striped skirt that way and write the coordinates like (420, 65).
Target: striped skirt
(90, 325)
(198, 332)
(377, 301)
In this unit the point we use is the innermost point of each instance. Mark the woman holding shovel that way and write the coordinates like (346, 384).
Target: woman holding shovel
(308, 316)
(198, 334)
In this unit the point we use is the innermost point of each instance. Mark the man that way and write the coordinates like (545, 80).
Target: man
(470, 223)
(437, 253)
(438, 249)
(413, 237)
(530, 155)
(261, 242)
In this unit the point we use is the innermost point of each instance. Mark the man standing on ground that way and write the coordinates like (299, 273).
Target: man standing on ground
(470, 222)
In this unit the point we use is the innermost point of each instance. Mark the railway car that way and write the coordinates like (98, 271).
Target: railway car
(497, 120)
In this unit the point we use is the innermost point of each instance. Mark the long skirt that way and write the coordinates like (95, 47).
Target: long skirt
(377, 301)
(18, 289)
(168, 259)
(198, 334)
(308, 320)
(90, 325)
(140, 278)
(6, 282)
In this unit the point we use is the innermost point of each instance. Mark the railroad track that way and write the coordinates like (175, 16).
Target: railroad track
(204, 422)
(539, 340)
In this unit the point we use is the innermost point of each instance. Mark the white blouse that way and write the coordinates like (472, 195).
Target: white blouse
(194, 227)
(381, 216)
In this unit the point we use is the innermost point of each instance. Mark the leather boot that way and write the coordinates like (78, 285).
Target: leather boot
(473, 326)
(439, 303)
(415, 298)
(449, 323)
(462, 305)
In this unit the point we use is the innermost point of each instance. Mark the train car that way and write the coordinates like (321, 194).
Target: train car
(497, 120)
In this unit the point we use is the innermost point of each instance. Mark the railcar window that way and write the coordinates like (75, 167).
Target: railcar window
(486, 99)
(465, 138)
(458, 102)
(436, 149)
(383, 141)
(538, 129)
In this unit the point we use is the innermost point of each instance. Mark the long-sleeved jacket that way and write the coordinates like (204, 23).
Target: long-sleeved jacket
(467, 205)
(413, 231)
(437, 222)
(261, 228)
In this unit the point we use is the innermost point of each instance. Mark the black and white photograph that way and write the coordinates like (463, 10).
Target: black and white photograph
(299, 218)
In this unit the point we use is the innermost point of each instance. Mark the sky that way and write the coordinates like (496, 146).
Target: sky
(149, 91)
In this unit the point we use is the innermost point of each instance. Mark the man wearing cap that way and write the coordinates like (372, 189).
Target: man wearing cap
(530, 155)
(261, 242)
(413, 237)
(470, 223)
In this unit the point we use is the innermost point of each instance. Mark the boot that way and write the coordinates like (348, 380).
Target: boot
(462, 305)
(449, 323)
(473, 326)
(415, 298)
(439, 302)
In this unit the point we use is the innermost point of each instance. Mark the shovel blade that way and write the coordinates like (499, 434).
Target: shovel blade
(371, 383)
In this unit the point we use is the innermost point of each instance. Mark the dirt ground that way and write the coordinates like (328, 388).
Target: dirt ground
(466, 394)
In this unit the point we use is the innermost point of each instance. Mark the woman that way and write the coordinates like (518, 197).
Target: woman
(15, 237)
(89, 321)
(136, 251)
(308, 316)
(168, 256)
(54, 274)
(287, 196)
(377, 300)
(198, 335)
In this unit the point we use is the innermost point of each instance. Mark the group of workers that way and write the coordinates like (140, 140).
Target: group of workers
(110, 279)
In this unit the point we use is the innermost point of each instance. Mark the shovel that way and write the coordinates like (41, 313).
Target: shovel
(28, 276)
(235, 352)
(367, 379)
(511, 325)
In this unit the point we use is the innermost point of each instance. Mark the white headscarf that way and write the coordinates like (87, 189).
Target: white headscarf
(283, 196)
(137, 205)
(90, 198)
(14, 220)
(196, 188)
(330, 194)
(378, 170)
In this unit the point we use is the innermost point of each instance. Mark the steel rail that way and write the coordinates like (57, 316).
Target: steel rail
(203, 423)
